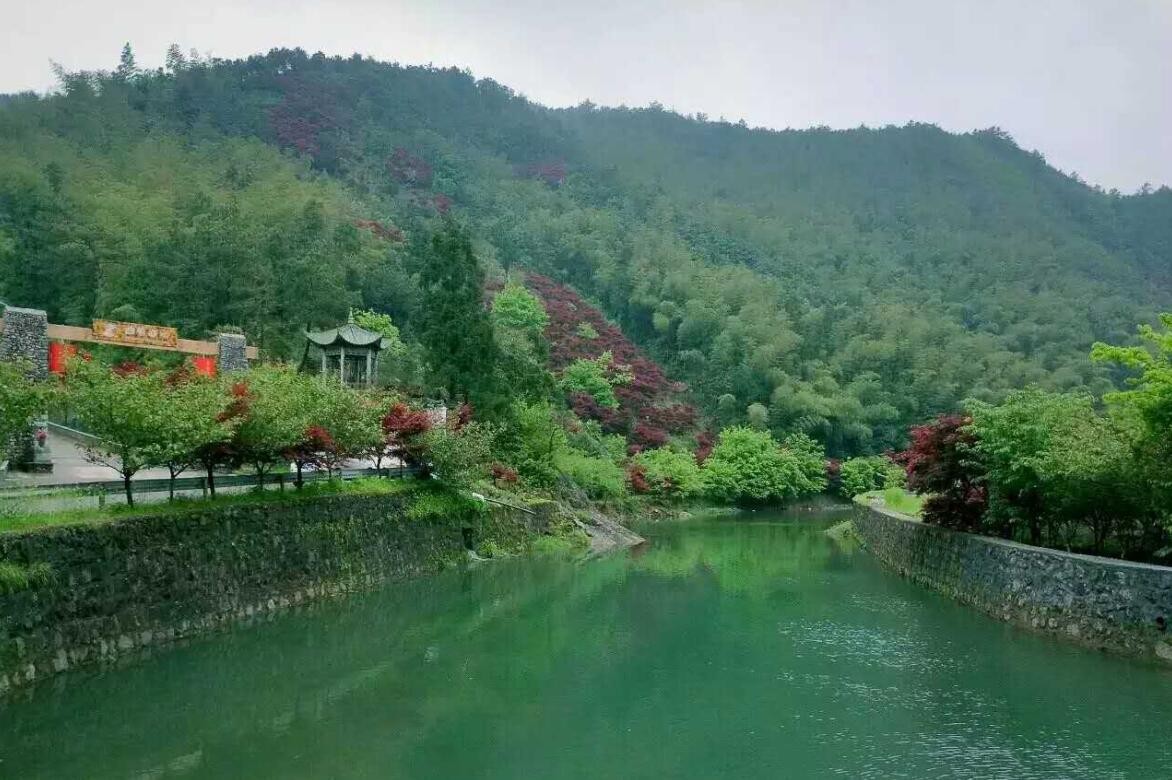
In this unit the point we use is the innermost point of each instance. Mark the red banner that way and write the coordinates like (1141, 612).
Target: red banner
(204, 364)
(59, 354)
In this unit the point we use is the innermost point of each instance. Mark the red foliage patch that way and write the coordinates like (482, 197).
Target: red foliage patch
(647, 407)
(503, 474)
(129, 368)
(239, 405)
(637, 479)
(705, 442)
(402, 422)
(307, 111)
(463, 416)
(386, 233)
(938, 465)
(552, 172)
(649, 436)
(402, 427)
(407, 168)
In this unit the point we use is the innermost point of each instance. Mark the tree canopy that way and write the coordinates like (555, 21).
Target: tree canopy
(848, 283)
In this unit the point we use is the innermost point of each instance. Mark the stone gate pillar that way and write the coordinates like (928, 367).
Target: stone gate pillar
(232, 358)
(25, 340)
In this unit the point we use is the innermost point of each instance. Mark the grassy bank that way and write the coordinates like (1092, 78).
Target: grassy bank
(14, 518)
(896, 499)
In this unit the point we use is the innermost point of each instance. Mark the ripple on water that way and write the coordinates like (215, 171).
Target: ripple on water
(864, 645)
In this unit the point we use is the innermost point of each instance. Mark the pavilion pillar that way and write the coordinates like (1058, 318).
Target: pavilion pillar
(25, 340)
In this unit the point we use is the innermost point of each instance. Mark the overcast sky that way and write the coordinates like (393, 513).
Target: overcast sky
(1086, 82)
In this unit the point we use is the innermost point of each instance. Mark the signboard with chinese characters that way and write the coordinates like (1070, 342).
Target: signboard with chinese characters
(133, 334)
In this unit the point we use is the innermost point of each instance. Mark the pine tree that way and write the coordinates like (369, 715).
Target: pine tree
(127, 67)
(454, 328)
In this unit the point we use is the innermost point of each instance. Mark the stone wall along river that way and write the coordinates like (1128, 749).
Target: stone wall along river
(1109, 604)
(101, 591)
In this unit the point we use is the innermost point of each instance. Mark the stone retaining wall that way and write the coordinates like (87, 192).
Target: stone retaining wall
(98, 592)
(1104, 603)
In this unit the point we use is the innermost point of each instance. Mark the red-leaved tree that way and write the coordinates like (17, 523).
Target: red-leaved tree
(939, 465)
(403, 428)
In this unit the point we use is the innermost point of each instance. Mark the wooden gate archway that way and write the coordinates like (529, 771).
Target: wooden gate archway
(205, 354)
(27, 334)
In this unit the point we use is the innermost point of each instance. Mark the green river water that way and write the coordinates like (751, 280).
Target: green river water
(736, 647)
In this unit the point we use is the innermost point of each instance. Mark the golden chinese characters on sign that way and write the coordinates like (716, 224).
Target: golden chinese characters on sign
(134, 334)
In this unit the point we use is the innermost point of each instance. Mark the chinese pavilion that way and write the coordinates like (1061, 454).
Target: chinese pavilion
(349, 353)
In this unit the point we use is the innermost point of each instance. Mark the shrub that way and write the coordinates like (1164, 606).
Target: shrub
(864, 474)
(15, 577)
(460, 457)
(668, 473)
(595, 378)
(599, 478)
(749, 467)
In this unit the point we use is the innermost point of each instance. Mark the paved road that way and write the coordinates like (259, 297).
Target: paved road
(70, 465)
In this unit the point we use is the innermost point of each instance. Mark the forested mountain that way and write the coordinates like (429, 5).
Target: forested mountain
(849, 282)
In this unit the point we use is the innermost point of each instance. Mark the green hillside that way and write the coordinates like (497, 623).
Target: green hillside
(851, 282)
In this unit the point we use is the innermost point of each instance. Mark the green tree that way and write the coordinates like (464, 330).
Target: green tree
(1147, 406)
(516, 308)
(344, 414)
(1090, 479)
(758, 416)
(191, 417)
(21, 399)
(532, 439)
(454, 327)
(749, 467)
(519, 321)
(460, 457)
(279, 410)
(377, 322)
(867, 473)
(1011, 438)
(122, 410)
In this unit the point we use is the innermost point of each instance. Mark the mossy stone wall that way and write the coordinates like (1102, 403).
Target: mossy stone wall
(118, 587)
(1108, 604)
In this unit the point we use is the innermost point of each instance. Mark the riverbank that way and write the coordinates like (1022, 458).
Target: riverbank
(727, 647)
(1103, 603)
(93, 591)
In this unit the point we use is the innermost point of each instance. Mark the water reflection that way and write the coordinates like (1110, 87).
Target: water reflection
(726, 648)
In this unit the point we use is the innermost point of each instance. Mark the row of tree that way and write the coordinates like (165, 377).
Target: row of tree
(1060, 469)
(269, 419)
(275, 418)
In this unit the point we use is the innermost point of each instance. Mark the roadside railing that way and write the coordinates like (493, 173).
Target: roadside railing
(104, 490)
